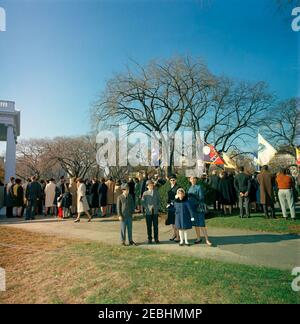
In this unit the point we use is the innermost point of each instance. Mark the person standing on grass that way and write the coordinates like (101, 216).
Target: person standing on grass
(33, 195)
(66, 203)
(102, 192)
(213, 182)
(9, 202)
(267, 198)
(110, 194)
(82, 203)
(73, 191)
(227, 192)
(196, 199)
(117, 193)
(18, 196)
(95, 197)
(242, 186)
(50, 193)
(170, 207)
(143, 182)
(285, 184)
(125, 210)
(131, 185)
(137, 190)
(184, 214)
(151, 203)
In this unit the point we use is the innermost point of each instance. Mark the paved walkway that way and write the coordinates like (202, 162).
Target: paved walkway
(274, 250)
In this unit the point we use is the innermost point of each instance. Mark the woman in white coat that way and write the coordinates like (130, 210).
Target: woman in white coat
(82, 203)
(50, 191)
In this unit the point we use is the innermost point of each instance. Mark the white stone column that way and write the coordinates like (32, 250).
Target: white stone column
(10, 161)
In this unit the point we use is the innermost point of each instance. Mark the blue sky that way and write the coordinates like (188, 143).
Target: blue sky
(56, 55)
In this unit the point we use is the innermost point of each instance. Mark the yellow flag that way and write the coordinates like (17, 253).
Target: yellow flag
(298, 155)
(229, 163)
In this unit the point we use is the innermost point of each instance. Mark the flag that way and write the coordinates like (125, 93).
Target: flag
(211, 155)
(229, 163)
(265, 151)
(298, 155)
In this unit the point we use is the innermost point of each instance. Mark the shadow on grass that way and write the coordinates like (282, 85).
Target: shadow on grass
(253, 239)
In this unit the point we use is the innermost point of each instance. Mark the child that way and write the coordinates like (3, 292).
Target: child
(151, 203)
(60, 214)
(125, 209)
(183, 216)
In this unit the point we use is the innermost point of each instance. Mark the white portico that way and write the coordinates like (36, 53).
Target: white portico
(9, 131)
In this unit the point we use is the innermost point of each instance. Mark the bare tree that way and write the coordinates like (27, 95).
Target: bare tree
(75, 155)
(155, 97)
(181, 93)
(282, 126)
(234, 111)
(32, 158)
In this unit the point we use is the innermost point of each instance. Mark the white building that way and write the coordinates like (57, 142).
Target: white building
(9, 131)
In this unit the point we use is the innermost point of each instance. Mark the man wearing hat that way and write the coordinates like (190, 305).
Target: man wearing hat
(151, 203)
(125, 209)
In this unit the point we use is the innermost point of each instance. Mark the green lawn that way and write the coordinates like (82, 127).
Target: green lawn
(142, 276)
(49, 269)
(256, 222)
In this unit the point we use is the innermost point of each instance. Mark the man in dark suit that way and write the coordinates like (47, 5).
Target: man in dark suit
(33, 195)
(242, 186)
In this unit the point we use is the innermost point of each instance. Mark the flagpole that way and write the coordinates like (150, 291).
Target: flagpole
(257, 165)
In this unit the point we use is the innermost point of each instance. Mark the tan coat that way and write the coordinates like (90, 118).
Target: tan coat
(73, 191)
(266, 181)
(82, 203)
(50, 194)
(110, 191)
(117, 193)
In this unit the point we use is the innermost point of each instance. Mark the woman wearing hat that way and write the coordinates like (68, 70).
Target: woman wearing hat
(170, 208)
(196, 198)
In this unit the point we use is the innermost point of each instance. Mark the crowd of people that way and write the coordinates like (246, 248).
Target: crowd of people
(185, 208)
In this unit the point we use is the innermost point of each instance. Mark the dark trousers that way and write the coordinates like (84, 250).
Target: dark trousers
(126, 225)
(31, 208)
(152, 219)
(9, 211)
(266, 210)
(244, 201)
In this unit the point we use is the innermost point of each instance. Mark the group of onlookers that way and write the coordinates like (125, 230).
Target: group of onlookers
(107, 197)
(261, 190)
(33, 197)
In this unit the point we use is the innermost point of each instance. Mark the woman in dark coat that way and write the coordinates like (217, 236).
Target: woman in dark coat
(102, 192)
(170, 208)
(95, 197)
(227, 192)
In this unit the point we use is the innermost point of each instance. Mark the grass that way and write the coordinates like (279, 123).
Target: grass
(49, 269)
(256, 222)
